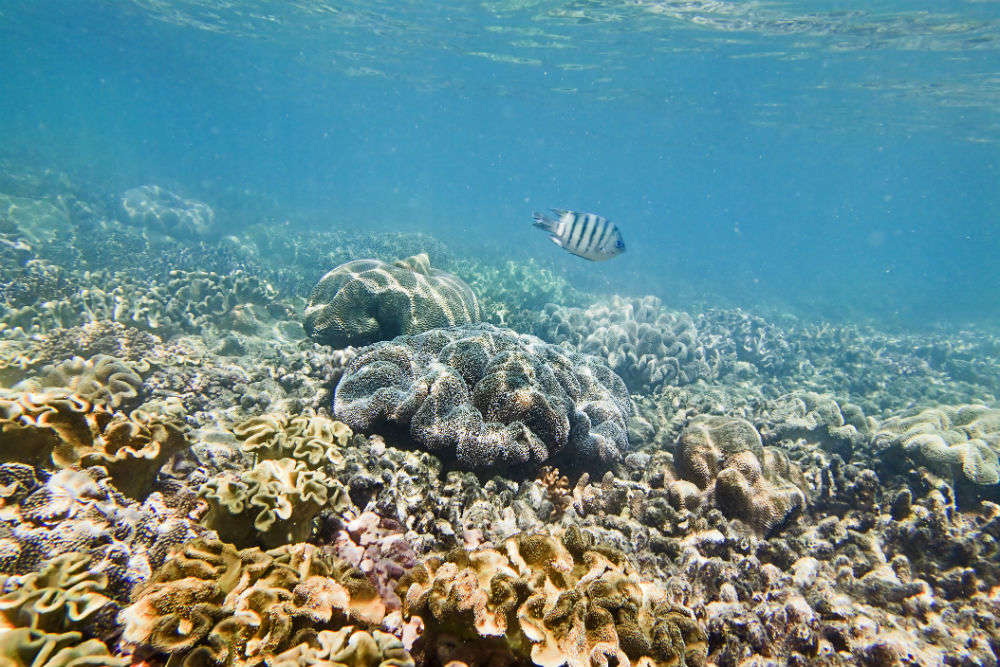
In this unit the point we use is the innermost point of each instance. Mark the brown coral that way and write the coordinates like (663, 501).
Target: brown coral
(212, 604)
(62, 430)
(311, 439)
(272, 504)
(725, 459)
(102, 379)
(554, 600)
(367, 300)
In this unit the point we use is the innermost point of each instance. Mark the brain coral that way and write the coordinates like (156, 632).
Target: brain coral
(951, 440)
(555, 601)
(489, 398)
(367, 300)
(64, 431)
(725, 459)
(163, 211)
(213, 605)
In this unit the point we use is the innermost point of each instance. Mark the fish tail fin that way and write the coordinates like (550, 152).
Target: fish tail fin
(542, 221)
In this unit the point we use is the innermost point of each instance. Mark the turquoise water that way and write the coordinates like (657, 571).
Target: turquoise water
(834, 160)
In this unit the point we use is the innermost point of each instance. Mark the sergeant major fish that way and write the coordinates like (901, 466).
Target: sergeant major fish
(584, 234)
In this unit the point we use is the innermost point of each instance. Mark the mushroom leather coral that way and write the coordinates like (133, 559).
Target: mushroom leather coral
(310, 439)
(25, 647)
(557, 601)
(62, 430)
(211, 604)
(272, 504)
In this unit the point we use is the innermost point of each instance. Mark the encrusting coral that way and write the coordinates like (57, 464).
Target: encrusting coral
(211, 604)
(555, 601)
(61, 430)
(367, 300)
(488, 398)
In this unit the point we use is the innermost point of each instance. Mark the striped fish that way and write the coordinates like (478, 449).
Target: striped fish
(584, 234)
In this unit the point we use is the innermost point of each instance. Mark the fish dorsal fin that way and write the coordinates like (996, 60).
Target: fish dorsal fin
(420, 263)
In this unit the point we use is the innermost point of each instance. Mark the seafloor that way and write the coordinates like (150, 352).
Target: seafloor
(435, 459)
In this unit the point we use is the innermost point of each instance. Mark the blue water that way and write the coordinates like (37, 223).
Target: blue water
(834, 160)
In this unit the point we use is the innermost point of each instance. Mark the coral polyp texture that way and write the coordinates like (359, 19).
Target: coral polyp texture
(60, 430)
(100, 379)
(488, 399)
(211, 604)
(160, 210)
(368, 300)
(554, 600)
(640, 340)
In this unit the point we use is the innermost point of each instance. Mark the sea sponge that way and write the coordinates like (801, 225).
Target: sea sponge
(555, 601)
(726, 460)
(65, 595)
(961, 441)
(367, 300)
(163, 211)
(272, 504)
(25, 647)
(102, 379)
(210, 604)
(489, 399)
(62, 430)
(311, 439)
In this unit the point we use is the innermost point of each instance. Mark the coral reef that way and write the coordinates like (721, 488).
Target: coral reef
(45, 515)
(161, 210)
(272, 504)
(488, 398)
(367, 300)
(212, 604)
(314, 440)
(61, 430)
(102, 379)
(557, 601)
(24, 647)
(639, 339)
(960, 443)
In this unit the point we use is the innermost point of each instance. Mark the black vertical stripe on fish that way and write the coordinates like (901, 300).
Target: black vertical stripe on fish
(606, 236)
(588, 232)
(574, 237)
(598, 238)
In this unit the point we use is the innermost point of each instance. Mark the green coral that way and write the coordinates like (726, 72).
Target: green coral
(24, 647)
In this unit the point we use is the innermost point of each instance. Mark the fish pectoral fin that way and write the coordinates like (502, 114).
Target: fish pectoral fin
(556, 240)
